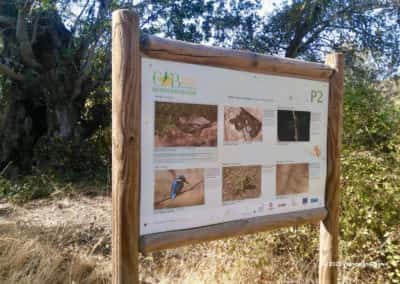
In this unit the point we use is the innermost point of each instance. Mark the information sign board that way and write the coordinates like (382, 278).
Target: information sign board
(220, 145)
(210, 143)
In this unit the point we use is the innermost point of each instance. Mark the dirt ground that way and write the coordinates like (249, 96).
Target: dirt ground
(191, 194)
(292, 178)
(56, 241)
(241, 182)
(67, 240)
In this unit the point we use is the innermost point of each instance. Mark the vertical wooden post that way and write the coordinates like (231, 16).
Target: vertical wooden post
(329, 228)
(126, 104)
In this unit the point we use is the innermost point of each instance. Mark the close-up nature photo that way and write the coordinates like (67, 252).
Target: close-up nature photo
(178, 188)
(185, 125)
(242, 124)
(241, 182)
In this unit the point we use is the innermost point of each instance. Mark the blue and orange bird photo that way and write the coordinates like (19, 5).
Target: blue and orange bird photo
(177, 186)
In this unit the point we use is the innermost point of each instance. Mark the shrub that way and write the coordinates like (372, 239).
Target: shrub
(370, 212)
(26, 188)
(369, 122)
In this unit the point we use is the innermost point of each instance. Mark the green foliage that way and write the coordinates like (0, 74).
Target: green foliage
(26, 188)
(4, 84)
(42, 184)
(200, 20)
(370, 218)
(310, 28)
(370, 207)
(76, 160)
(369, 117)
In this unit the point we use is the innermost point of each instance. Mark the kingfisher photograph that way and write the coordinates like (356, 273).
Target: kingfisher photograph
(242, 124)
(185, 125)
(178, 188)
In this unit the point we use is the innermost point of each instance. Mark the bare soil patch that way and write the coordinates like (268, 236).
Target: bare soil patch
(292, 178)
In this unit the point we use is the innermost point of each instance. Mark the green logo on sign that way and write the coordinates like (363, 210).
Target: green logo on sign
(170, 82)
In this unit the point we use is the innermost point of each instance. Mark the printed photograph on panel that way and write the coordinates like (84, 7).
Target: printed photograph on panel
(242, 124)
(178, 188)
(185, 125)
(293, 126)
(241, 182)
(292, 178)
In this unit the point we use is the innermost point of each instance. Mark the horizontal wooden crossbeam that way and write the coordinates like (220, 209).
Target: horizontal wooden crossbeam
(166, 240)
(180, 51)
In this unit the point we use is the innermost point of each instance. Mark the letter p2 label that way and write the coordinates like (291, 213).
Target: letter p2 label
(316, 96)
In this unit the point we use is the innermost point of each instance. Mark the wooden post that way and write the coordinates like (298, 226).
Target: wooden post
(329, 228)
(125, 146)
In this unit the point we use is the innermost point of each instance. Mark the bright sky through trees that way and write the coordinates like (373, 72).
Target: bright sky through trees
(268, 5)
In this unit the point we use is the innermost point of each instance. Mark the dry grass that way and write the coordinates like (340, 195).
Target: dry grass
(250, 259)
(30, 260)
(55, 241)
(68, 241)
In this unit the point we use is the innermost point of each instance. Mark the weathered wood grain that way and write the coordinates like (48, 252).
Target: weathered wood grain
(126, 107)
(165, 240)
(174, 50)
(329, 229)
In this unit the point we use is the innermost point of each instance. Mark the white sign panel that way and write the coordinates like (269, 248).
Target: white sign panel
(221, 145)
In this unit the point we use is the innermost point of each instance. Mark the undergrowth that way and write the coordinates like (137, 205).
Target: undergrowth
(42, 185)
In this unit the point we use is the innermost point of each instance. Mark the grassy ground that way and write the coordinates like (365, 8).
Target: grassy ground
(67, 240)
(55, 241)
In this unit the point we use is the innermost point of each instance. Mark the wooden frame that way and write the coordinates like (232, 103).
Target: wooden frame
(127, 50)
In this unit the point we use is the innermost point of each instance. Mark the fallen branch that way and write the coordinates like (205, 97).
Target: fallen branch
(5, 168)
(96, 246)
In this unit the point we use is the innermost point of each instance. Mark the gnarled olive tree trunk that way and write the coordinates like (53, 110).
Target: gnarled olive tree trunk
(47, 73)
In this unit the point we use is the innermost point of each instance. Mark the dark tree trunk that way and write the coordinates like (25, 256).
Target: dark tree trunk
(26, 120)
(23, 122)
(48, 101)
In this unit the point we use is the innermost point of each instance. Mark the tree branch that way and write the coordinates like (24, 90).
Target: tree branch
(77, 21)
(35, 28)
(23, 39)
(7, 71)
(84, 71)
(88, 50)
